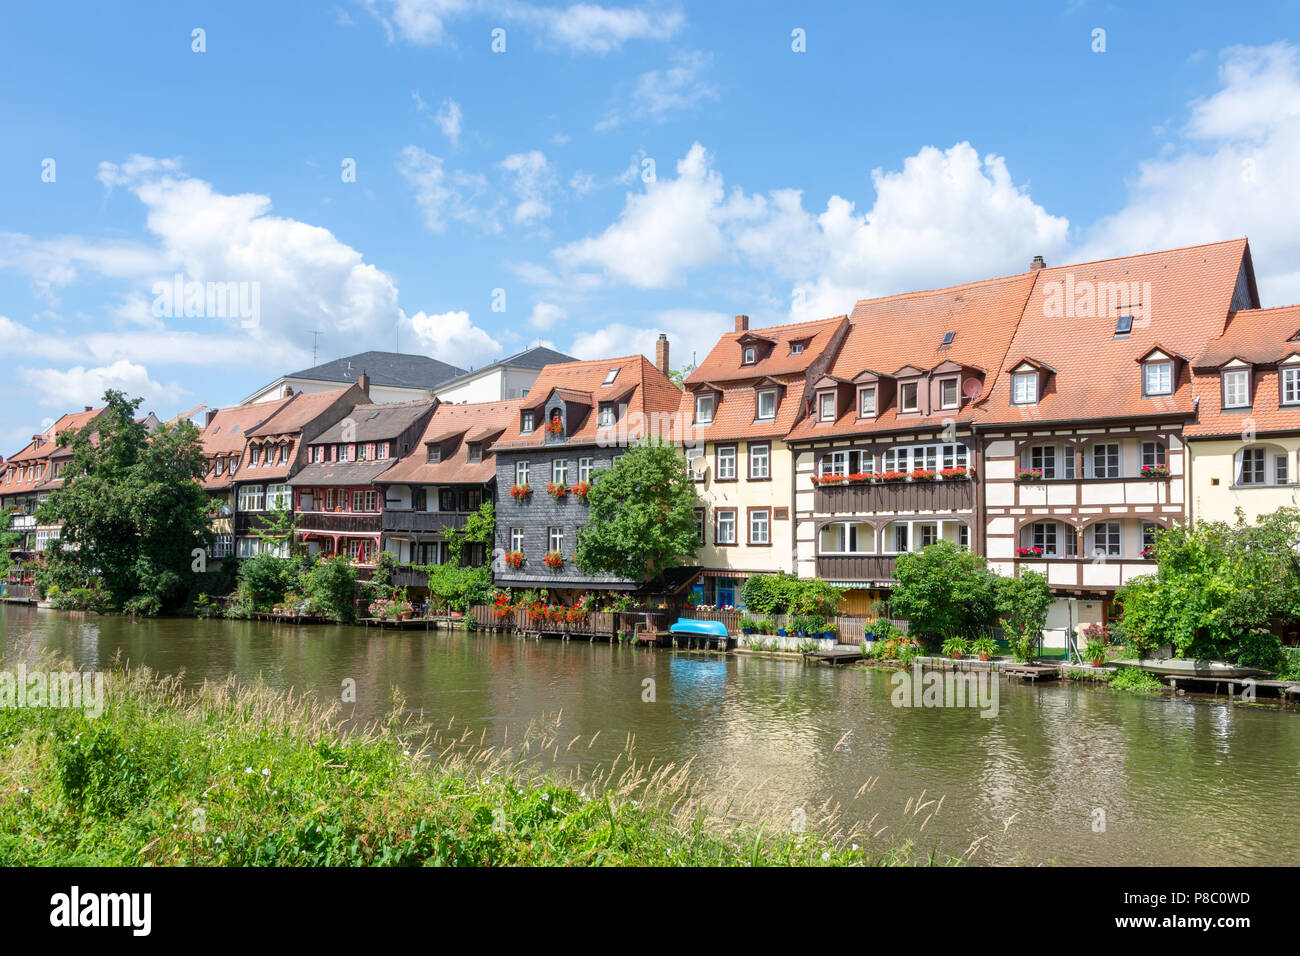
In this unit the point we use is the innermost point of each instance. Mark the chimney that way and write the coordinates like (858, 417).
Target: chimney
(661, 353)
(212, 413)
(742, 323)
(288, 391)
(90, 408)
(1037, 264)
(364, 383)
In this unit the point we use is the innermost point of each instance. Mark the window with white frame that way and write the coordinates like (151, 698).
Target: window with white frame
(1105, 460)
(252, 497)
(948, 393)
(827, 410)
(927, 533)
(834, 463)
(1149, 529)
(900, 537)
(726, 528)
(1024, 388)
(1153, 454)
(1236, 389)
(1158, 378)
(1106, 539)
(703, 409)
(555, 539)
(692, 455)
(867, 402)
(521, 473)
(758, 525)
(846, 537)
(278, 496)
(1252, 466)
(560, 471)
(759, 462)
(909, 400)
(358, 500)
(1291, 386)
(963, 537)
(726, 462)
(699, 524)
(767, 404)
(931, 457)
(584, 470)
(606, 419)
(516, 539)
(750, 356)
(1280, 469)
(526, 422)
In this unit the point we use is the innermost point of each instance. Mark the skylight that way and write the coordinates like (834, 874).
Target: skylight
(374, 414)
(1124, 325)
(948, 337)
(610, 376)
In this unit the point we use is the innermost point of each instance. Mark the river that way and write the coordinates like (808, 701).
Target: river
(1179, 781)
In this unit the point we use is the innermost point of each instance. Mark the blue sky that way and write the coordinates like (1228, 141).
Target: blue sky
(907, 146)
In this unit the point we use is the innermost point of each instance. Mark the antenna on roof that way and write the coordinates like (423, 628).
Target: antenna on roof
(315, 336)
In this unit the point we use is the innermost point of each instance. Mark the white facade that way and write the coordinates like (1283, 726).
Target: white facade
(378, 393)
(493, 384)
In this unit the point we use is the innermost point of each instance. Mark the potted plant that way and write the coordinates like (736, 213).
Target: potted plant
(1034, 552)
(892, 477)
(1155, 471)
(514, 559)
(923, 474)
(748, 625)
(553, 560)
(1029, 474)
(985, 647)
(956, 647)
(1095, 652)
(520, 491)
(832, 630)
(581, 489)
(557, 489)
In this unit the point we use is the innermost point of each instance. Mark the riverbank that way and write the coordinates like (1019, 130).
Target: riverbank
(241, 775)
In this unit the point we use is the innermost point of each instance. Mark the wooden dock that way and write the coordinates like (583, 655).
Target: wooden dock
(1031, 672)
(1234, 687)
(834, 655)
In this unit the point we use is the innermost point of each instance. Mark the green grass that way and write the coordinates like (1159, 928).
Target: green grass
(243, 776)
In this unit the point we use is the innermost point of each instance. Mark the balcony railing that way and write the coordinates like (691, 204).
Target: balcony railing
(338, 523)
(426, 521)
(856, 567)
(890, 497)
(22, 523)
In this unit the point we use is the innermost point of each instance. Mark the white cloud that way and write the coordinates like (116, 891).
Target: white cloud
(533, 182)
(449, 121)
(659, 93)
(692, 333)
(422, 22)
(1233, 175)
(444, 195)
(545, 315)
(452, 337)
(80, 386)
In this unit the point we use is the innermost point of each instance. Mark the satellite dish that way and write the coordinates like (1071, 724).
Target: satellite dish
(972, 388)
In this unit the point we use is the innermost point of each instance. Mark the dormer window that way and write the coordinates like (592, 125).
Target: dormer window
(1024, 388)
(1236, 389)
(948, 393)
(703, 409)
(826, 411)
(220, 464)
(796, 348)
(750, 356)
(910, 397)
(432, 454)
(867, 402)
(475, 451)
(1158, 378)
(1291, 386)
(767, 404)
(610, 376)
(526, 423)
(606, 419)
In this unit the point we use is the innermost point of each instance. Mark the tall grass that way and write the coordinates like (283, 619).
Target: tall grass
(241, 775)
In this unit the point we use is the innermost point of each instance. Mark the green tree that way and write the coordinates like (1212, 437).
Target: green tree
(1220, 591)
(277, 527)
(1022, 605)
(642, 515)
(131, 508)
(331, 586)
(943, 589)
(265, 579)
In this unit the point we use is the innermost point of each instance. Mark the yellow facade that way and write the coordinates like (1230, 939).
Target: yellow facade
(1214, 493)
(744, 496)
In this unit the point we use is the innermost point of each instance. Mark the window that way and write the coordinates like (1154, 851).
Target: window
(381, 451)
(948, 393)
(1279, 470)
(1250, 470)
(699, 524)
(929, 534)
(900, 537)
(1044, 537)
(963, 537)
(1153, 454)
(267, 451)
(372, 501)
(1291, 386)
(1236, 389)
(1053, 538)
(251, 497)
(433, 454)
(796, 348)
(284, 454)
(846, 537)
(555, 539)
(703, 409)
(725, 532)
(834, 463)
(1106, 539)
(1123, 325)
(219, 466)
(1105, 460)
(358, 501)
(947, 338)
(760, 462)
(693, 455)
(278, 496)
(610, 376)
(911, 392)
(1043, 458)
(606, 417)
(910, 457)
(363, 452)
(767, 404)
(516, 539)
(867, 403)
(750, 357)
(560, 471)
(758, 525)
(521, 473)
(329, 499)
(584, 470)
(827, 412)
(526, 423)
(1158, 378)
(1149, 535)
(475, 451)
(726, 463)
(1024, 388)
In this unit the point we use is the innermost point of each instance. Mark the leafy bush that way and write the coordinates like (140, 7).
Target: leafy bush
(264, 579)
(331, 589)
(1135, 681)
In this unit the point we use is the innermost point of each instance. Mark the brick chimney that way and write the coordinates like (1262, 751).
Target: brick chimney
(661, 353)
(1037, 264)
(90, 408)
(212, 413)
(742, 323)
(364, 383)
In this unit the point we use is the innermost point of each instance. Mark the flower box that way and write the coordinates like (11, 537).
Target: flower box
(823, 480)
(557, 489)
(553, 560)
(581, 489)
(1034, 552)
(555, 427)
(1155, 471)
(893, 477)
(514, 559)
(924, 474)
(520, 491)
(1149, 551)
(861, 478)
(1029, 474)
(954, 474)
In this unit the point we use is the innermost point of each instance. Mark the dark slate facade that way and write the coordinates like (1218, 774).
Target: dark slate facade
(537, 514)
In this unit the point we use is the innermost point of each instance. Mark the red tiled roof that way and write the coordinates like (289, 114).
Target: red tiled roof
(298, 412)
(1190, 293)
(889, 334)
(582, 384)
(37, 454)
(723, 363)
(470, 423)
(1261, 338)
(225, 435)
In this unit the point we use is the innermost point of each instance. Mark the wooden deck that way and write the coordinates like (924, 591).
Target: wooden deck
(1031, 672)
(834, 655)
(1234, 687)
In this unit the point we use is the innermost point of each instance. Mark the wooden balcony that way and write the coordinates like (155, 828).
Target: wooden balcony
(939, 497)
(856, 567)
(338, 522)
(431, 522)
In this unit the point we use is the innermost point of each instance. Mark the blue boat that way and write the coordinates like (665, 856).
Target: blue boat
(706, 632)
